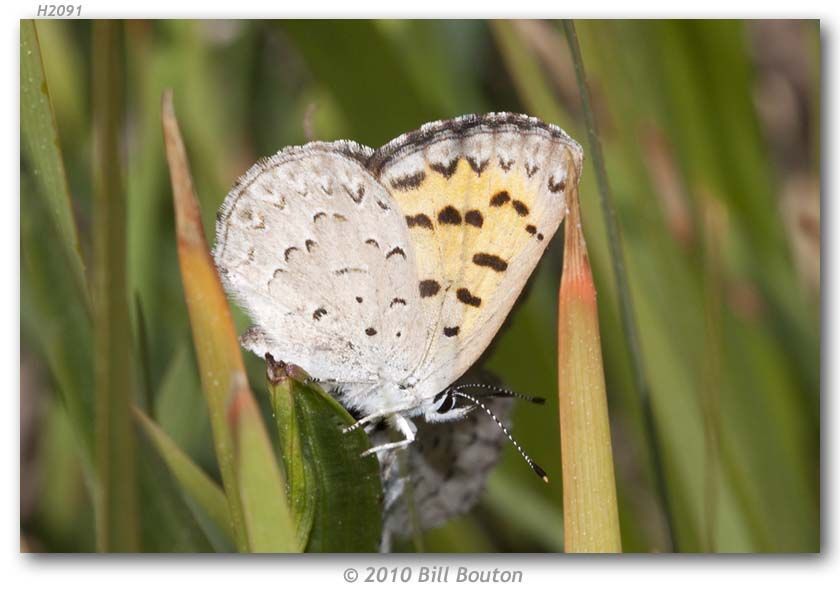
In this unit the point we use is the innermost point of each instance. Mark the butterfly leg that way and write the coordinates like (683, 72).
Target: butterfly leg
(365, 420)
(404, 426)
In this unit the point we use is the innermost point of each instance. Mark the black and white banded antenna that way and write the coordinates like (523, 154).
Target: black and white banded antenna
(534, 466)
(499, 392)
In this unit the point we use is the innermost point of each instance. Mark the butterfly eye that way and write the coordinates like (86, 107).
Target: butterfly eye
(448, 401)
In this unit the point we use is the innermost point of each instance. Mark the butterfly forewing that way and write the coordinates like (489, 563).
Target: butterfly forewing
(482, 197)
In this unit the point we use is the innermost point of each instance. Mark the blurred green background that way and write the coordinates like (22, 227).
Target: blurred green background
(711, 134)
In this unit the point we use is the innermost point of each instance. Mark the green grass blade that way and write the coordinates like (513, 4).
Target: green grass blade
(525, 71)
(114, 377)
(534, 515)
(39, 135)
(300, 478)
(56, 325)
(432, 59)
(170, 522)
(353, 58)
(204, 493)
(261, 483)
(344, 488)
(144, 357)
(628, 318)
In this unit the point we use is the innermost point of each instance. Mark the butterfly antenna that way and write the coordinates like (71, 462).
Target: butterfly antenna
(534, 466)
(500, 392)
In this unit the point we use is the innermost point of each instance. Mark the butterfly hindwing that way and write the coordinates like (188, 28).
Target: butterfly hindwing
(482, 197)
(312, 247)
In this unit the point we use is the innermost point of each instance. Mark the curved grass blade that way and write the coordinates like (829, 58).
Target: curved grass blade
(213, 332)
(300, 478)
(169, 520)
(344, 488)
(252, 479)
(39, 135)
(197, 486)
(262, 488)
(57, 325)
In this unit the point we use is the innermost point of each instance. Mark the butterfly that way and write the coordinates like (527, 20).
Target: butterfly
(386, 273)
(444, 472)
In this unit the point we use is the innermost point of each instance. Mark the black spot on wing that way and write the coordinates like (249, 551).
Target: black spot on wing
(357, 194)
(531, 229)
(506, 164)
(451, 331)
(345, 270)
(372, 242)
(449, 216)
(447, 170)
(521, 208)
(310, 244)
(412, 181)
(397, 301)
(464, 295)
(419, 220)
(396, 250)
(320, 312)
(556, 187)
(531, 169)
(478, 166)
(500, 198)
(317, 216)
(370, 331)
(491, 261)
(428, 288)
(288, 252)
(474, 218)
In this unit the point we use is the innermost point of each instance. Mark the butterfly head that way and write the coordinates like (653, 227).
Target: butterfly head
(444, 402)
(446, 407)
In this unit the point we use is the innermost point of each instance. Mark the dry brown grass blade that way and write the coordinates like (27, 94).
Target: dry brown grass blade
(214, 336)
(590, 508)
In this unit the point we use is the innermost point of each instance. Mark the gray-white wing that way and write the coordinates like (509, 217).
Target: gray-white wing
(313, 249)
